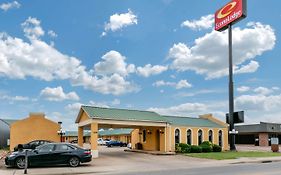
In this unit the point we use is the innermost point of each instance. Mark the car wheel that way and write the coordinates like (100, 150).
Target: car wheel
(20, 162)
(74, 161)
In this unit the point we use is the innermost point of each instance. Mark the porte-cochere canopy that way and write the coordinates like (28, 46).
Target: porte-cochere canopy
(153, 131)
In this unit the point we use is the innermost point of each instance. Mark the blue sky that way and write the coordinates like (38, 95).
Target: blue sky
(160, 55)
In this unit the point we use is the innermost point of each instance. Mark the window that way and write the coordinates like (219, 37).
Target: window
(62, 147)
(200, 137)
(144, 135)
(188, 137)
(211, 136)
(46, 148)
(177, 136)
(220, 138)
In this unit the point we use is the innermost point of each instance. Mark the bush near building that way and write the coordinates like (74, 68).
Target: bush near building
(204, 147)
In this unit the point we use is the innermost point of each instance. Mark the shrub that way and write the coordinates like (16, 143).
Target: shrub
(195, 149)
(216, 148)
(185, 148)
(208, 143)
(182, 148)
(178, 148)
(206, 147)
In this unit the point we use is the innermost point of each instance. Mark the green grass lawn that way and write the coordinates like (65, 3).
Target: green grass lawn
(232, 155)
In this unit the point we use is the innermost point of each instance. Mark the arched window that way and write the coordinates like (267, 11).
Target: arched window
(188, 137)
(177, 136)
(200, 137)
(144, 135)
(211, 136)
(220, 138)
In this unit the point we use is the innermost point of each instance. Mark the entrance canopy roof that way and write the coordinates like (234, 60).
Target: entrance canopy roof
(127, 118)
(120, 114)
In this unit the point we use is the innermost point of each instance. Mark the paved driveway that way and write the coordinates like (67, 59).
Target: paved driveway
(115, 160)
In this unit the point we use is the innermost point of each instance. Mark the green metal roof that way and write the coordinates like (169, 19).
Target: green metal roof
(192, 122)
(138, 115)
(9, 121)
(122, 114)
(115, 132)
(75, 133)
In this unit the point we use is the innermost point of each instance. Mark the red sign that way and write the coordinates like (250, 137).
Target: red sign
(232, 12)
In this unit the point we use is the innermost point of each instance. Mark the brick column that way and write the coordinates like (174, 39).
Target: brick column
(94, 138)
(263, 139)
(80, 136)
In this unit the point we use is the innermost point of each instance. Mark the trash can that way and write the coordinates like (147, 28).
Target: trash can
(257, 142)
(274, 144)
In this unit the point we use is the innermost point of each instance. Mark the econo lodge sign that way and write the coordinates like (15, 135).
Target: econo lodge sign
(230, 13)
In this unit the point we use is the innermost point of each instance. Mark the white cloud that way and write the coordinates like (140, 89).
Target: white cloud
(199, 92)
(249, 68)
(52, 34)
(119, 21)
(37, 59)
(114, 84)
(179, 85)
(98, 104)
(207, 56)
(10, 5)
(32, 28)
(57, 94)
(14, 98)
(149, 70)
(242, 89)
(185, 109)
(74, 106)
(205, 22)
(260, 102)
(113, 62)
(263, 90)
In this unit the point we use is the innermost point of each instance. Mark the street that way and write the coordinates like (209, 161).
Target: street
(237, 169)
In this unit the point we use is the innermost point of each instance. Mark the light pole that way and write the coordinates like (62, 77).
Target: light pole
(61, 132)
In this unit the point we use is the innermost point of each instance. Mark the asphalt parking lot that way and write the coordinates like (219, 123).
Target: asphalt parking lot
(116, 160)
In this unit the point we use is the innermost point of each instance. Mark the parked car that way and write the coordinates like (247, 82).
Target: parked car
(31, 145)
(115, 143)
(50, 154)
(74, 141)
(101, 141)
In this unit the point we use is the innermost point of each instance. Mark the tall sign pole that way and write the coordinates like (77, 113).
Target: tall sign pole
(225, 17)
(230, 90)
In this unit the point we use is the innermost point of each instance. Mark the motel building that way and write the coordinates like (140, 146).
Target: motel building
(151, 131)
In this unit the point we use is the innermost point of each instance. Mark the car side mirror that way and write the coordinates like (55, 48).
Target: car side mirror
(36, 151)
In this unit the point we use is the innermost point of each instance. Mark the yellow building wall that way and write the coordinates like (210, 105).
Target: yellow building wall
(83, 117)
(35, 127)
(194, 137)
(135, 138)
(155, 139)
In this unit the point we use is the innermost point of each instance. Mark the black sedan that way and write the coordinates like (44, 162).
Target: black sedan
(50, 154)
(115, 143)
(31, 145)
